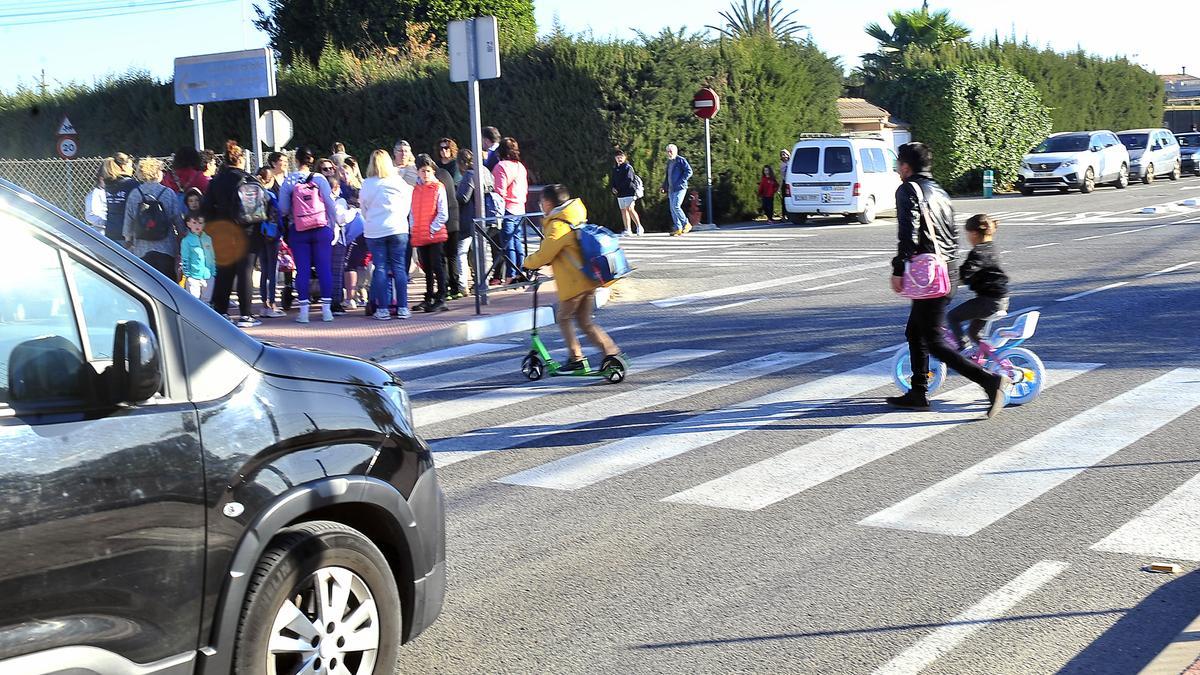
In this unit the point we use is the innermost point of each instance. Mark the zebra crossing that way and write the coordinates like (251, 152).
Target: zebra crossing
(738, 248)
(961, 505)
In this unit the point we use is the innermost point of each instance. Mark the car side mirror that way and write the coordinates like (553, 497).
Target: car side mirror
(1096, 148)
(136, 373)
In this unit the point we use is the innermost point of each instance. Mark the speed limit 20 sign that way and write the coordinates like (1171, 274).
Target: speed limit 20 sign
(67, 147)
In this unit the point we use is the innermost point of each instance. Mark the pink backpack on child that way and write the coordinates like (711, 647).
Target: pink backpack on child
(308, 209)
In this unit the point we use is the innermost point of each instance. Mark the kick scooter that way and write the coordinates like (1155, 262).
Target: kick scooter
(538, 362)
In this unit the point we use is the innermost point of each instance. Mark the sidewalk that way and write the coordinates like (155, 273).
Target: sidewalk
(359, 335)
(1181, 657)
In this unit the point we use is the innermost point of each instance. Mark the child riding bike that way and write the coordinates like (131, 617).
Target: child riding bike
(982, 274)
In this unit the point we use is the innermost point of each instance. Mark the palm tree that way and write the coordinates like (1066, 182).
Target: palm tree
(915, 28)
(763, 18)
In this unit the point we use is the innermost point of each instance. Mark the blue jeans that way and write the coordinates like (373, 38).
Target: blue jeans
(389, 254)
(675, 201)
(313, 248)
(269, 263)
(514, 246)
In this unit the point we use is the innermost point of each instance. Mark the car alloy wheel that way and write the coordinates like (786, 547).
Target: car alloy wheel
(328, 624)
(1089, 181)
(1148, 178)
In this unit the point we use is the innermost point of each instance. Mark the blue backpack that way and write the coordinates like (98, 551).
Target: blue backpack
(603, 259)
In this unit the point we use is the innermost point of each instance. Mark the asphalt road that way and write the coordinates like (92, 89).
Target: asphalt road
(745, 502)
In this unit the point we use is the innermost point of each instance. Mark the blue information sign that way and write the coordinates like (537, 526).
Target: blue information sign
(230, 76)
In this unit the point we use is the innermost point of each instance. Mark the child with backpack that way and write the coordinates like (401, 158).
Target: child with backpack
(307, 198)
(767, 187)
(982, 274)
(576, 289)
(197, 259)
(429, 234)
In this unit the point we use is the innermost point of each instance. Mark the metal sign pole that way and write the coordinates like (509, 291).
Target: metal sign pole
(198, 125)
(708, 161)
(476, 121)
(258, 157)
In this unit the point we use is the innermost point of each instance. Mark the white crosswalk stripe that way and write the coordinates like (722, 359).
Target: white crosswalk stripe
(522, 431)
(592, 466)
(428, 359)
(433, 413)
(790, 473)
(983, 494)
(1169, 529)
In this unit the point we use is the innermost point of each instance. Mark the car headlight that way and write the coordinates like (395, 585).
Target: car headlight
(1025, 165)
(400, 400)
(1069, 162)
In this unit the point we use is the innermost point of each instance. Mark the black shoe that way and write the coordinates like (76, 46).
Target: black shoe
(420, 307)
(438, 306)
(573, 366)
(913, 400)
(337, 309)
(997, 395)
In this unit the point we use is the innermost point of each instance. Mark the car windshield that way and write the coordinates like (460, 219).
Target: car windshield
(804, 160)
(1134, 141)
(1189, 140)
(1072, 143)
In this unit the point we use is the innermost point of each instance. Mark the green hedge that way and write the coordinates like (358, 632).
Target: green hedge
(567, 100)
(973, 118)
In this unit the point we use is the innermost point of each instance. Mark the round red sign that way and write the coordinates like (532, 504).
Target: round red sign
(706, 103)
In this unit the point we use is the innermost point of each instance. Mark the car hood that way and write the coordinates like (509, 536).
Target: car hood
(1187, 151)
(1052, 157)
(1136, 154)
(320, 366)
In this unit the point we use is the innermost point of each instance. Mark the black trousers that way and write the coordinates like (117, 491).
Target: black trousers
(241, 271)
(163, 263)
(976, 310)
(450, 254)
(768, 207)
(925, 337)
(430, 256)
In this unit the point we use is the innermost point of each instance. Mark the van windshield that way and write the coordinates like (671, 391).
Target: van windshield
(804, 160)
(1071, 143)
(1134, 141)
(839, 159)
(1189, 140)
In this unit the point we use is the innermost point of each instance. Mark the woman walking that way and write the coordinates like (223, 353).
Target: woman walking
(307, 198)
(152, 220)
(512, 183)
(236, 243)
(386, 200)
(118, 183)
(625, 185)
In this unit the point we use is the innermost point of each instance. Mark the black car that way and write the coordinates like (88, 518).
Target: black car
(1189, 152)
(176, 497)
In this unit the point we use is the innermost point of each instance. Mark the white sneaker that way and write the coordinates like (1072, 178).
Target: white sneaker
(641, 230)
(403, 313)
(302, 317)
(248, 322)
(382, 315)
(274, 313)
(350, 305)
(326, 312)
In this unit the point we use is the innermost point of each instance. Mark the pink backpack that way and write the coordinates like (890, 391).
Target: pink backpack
(308, 209)
(926, 275)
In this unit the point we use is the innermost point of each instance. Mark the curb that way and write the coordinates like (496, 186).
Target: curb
(482, 328)
(1181, 657)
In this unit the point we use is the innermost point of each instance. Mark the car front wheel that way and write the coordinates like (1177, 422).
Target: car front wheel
(322, 600)
(1089, 181)
(1122, 178)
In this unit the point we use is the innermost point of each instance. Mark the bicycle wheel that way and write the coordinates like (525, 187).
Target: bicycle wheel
(1029, 375)
(902, 371)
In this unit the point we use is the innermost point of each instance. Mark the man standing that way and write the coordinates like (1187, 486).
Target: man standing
(679, 172)
(785, 159)
(923, 211)
(491, 147)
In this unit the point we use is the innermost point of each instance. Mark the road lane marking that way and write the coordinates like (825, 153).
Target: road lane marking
(1117, 234)
(833, 285)
(729, 306)
(992, 489)
(891, 348)
(433, 413)
(631, 326)
(1053, 243)
(614, 459)
(788, 474)
(766, 283)
(990, 609)
(1168, 529)
(458, 378)
(520, 432)
(1169, 270)
(418, 361)
(1094, 290)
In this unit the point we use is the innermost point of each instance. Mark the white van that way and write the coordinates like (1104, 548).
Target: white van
(851, 175)
(1152, 153)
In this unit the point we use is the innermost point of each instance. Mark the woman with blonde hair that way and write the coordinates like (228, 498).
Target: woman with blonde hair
(386, 200)
(117, 174)
(152, 219)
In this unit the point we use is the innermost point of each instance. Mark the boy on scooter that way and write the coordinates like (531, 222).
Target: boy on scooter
(576, 292)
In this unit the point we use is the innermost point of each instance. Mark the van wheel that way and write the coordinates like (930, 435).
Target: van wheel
(1089, 181)
(798, 218)
(867, 215)
(322, 599)
(1176, 172)
(1148, 177)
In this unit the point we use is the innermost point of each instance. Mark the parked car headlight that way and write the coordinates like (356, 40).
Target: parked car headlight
(1069, 162)
(400, 399)
(1025, 165)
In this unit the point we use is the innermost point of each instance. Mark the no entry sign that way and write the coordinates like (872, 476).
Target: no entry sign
(706, 103)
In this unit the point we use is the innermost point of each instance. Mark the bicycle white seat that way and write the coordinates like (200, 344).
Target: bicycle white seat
(1023, 328)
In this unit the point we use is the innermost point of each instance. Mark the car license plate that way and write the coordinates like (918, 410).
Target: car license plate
(1043, 174)
(808, 198)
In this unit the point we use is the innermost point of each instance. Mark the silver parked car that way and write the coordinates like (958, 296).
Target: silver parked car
(1152, 153)
(1189, 151)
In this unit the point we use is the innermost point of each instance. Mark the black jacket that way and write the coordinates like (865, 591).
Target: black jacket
(913, 236)
(221, 199)
(621, 180)
(447, 182)
(982, 273)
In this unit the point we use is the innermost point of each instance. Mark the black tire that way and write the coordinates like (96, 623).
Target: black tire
(1148, 177)
(1176, 173)
(1064, 190)
(798, 218)
(1089, 181)
(532, 366)
(1027, 191)
(1122, 178)
(294, 556)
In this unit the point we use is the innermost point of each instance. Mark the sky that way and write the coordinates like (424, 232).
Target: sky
(37, 41)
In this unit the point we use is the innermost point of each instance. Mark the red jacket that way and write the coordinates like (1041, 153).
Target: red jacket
(767, 187)
(425, 214)
(189, 177)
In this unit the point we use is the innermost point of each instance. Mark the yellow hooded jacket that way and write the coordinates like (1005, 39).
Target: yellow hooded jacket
(560, 250)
